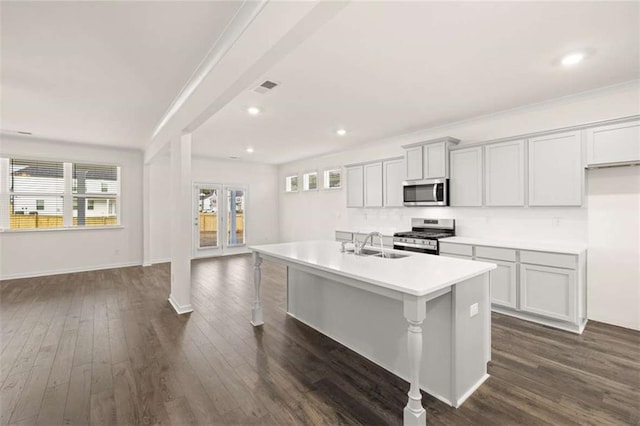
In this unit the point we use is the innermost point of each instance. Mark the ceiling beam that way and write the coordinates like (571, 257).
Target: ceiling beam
(268, 37)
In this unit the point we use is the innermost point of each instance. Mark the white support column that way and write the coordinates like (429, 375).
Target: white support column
(67, 199)
(256, 310)
(5, 217)
(414, 312)
(146, 215)
(180, 202)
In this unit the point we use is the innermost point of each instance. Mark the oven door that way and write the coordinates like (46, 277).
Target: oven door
(433, 192)
(416, 248)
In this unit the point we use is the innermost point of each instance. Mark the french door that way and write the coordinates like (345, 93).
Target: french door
(219, 219)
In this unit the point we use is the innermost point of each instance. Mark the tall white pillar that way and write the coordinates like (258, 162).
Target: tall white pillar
(146, 215)
(181, 224)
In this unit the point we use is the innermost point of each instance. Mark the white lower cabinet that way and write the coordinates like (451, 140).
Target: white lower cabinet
(548, 291)
(504, 282)
(539, 286)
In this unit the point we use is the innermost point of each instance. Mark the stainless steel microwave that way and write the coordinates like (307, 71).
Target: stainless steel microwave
(432, 192)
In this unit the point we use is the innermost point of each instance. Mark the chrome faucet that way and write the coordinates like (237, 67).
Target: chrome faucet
(359, 247)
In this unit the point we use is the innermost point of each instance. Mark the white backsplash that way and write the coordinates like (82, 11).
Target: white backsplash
(537, 224)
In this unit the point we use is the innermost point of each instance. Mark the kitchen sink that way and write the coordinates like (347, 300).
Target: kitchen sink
(368, 252)
(390, 255)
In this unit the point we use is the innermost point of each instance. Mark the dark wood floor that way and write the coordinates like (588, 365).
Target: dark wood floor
(104, 347)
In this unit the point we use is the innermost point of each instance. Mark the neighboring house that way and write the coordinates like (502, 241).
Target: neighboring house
(45, 178)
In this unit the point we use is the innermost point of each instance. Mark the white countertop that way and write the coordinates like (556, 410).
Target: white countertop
(549, 246)
(417, 274)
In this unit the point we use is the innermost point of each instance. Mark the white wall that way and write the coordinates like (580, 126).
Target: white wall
(32, 253)
(315, 215)
(613, 264)
(262, 200)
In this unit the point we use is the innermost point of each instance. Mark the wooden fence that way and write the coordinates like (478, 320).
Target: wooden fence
(209, 222)
(31, 221)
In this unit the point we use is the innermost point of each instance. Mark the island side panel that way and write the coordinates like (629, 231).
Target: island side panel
(472, 343)
(374, 326)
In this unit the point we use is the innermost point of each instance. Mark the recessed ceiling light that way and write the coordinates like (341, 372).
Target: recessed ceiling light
(253, 110)
(21, 132)
(341, 132)
(250, 150)
(572, 59)
(233, 157)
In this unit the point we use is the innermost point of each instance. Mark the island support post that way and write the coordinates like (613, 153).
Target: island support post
(415, 310)
(256, 310)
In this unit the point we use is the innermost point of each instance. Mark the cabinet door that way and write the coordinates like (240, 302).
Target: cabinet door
(548, 291)
(355, 186)
(504, 282)
(555, 170)
(413, 162)
(465, 186)
(504, 174)
(434, 160)
(615, 143)
(373, 185)
(393, 175)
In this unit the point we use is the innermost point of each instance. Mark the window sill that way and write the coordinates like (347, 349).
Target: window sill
(74, 228)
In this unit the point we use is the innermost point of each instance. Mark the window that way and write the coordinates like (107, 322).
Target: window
(95, 187)
(332, 179)
(309, 181)
(53, 194)
(291, 183)
(36, 191)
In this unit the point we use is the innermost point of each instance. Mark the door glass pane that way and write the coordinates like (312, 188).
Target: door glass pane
(235, 217)
(208, 217)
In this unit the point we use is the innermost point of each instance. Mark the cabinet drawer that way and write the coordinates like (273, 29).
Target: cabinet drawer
(460, 249)
(343, 236)
(457, 256)
(496, 253)
(568, 261)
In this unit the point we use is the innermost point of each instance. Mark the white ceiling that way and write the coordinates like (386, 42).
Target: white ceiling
(106, 72)
(101, 72)
(384, 68)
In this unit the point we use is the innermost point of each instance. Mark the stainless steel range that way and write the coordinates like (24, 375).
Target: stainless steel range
(424, 235)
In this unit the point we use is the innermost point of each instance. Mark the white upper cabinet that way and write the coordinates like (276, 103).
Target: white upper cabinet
(465, 185)
(429, 159)
(556, 172)
(504, 168)
(373, 185)
(614, 144)
(355, 186)
(434, 161)
(393, 174)
(413, 163)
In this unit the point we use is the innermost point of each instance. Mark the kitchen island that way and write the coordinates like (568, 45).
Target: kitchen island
(365, 303)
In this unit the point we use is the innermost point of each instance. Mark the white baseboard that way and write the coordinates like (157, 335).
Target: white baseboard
(184, 309)
(67, 270)
(154, 261)
(471, 390)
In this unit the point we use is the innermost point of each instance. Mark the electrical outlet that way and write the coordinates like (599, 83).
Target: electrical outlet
(473, 310)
